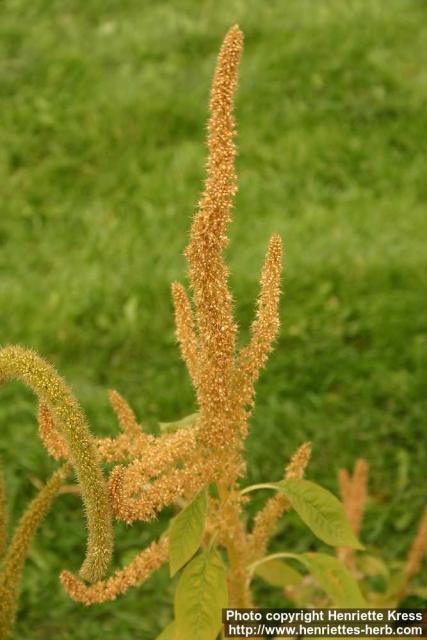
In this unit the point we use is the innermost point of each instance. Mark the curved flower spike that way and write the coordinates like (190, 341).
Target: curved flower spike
(135, 573)
(23, 364)
(13, 564)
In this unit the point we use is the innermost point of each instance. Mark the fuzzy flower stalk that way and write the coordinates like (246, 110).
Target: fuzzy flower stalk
(13, 564)
(158, 471)
(415, 555)
(206, 330)
(65, 413)
(354, 494)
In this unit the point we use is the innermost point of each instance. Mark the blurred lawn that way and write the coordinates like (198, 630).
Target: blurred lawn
(102, 126)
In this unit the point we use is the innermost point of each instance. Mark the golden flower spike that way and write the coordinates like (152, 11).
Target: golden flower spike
(265, 327)
(161, 470)
(125, 416)
(207, 270)
(51, 438)
(129, 444)
(185, 330)
(266, 520)
(13, 564)
(223, 382)
(354, 494)
(417, 550)
(140, 495)
(134, 574)
(23, 364)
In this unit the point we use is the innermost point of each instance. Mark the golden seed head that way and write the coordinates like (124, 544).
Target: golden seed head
(125, 415)
(51, 438)
(266, 520)
(134, 574)
(418, 548)
(185, 330)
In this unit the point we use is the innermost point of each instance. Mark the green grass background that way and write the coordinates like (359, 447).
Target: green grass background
(103, 110)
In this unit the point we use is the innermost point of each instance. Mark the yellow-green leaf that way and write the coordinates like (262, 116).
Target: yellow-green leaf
(186, 532)
(184, 423)
(168, 632)
(321, 511)
(278, 574)
(331, 575)
(334, 579)
(200, 596)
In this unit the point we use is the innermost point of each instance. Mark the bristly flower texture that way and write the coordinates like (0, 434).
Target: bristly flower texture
(354, 494)
(23, 364)
(157, 471)
(151, 472)
(64, 426)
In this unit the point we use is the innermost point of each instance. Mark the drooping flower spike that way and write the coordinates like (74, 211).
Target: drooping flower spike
(24, 365)
(13, 564)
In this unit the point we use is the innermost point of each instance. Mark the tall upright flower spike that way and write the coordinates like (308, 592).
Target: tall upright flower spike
(23, 364)
(160, 470)
(266, 520)
(417, 550)
(265, 327)
(134, 574)
(359, 493)
(207, 270)
(13, 565)
(354, 493)
(125, 416)
(185, 330)
(344, 483)
(3, 514)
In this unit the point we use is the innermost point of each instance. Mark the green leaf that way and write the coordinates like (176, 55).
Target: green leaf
(186, 532)
(278, 574)
(334, 579)
(184, 423)
(321, 511)
(331, 575)
(168, 632)
(200, 596)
